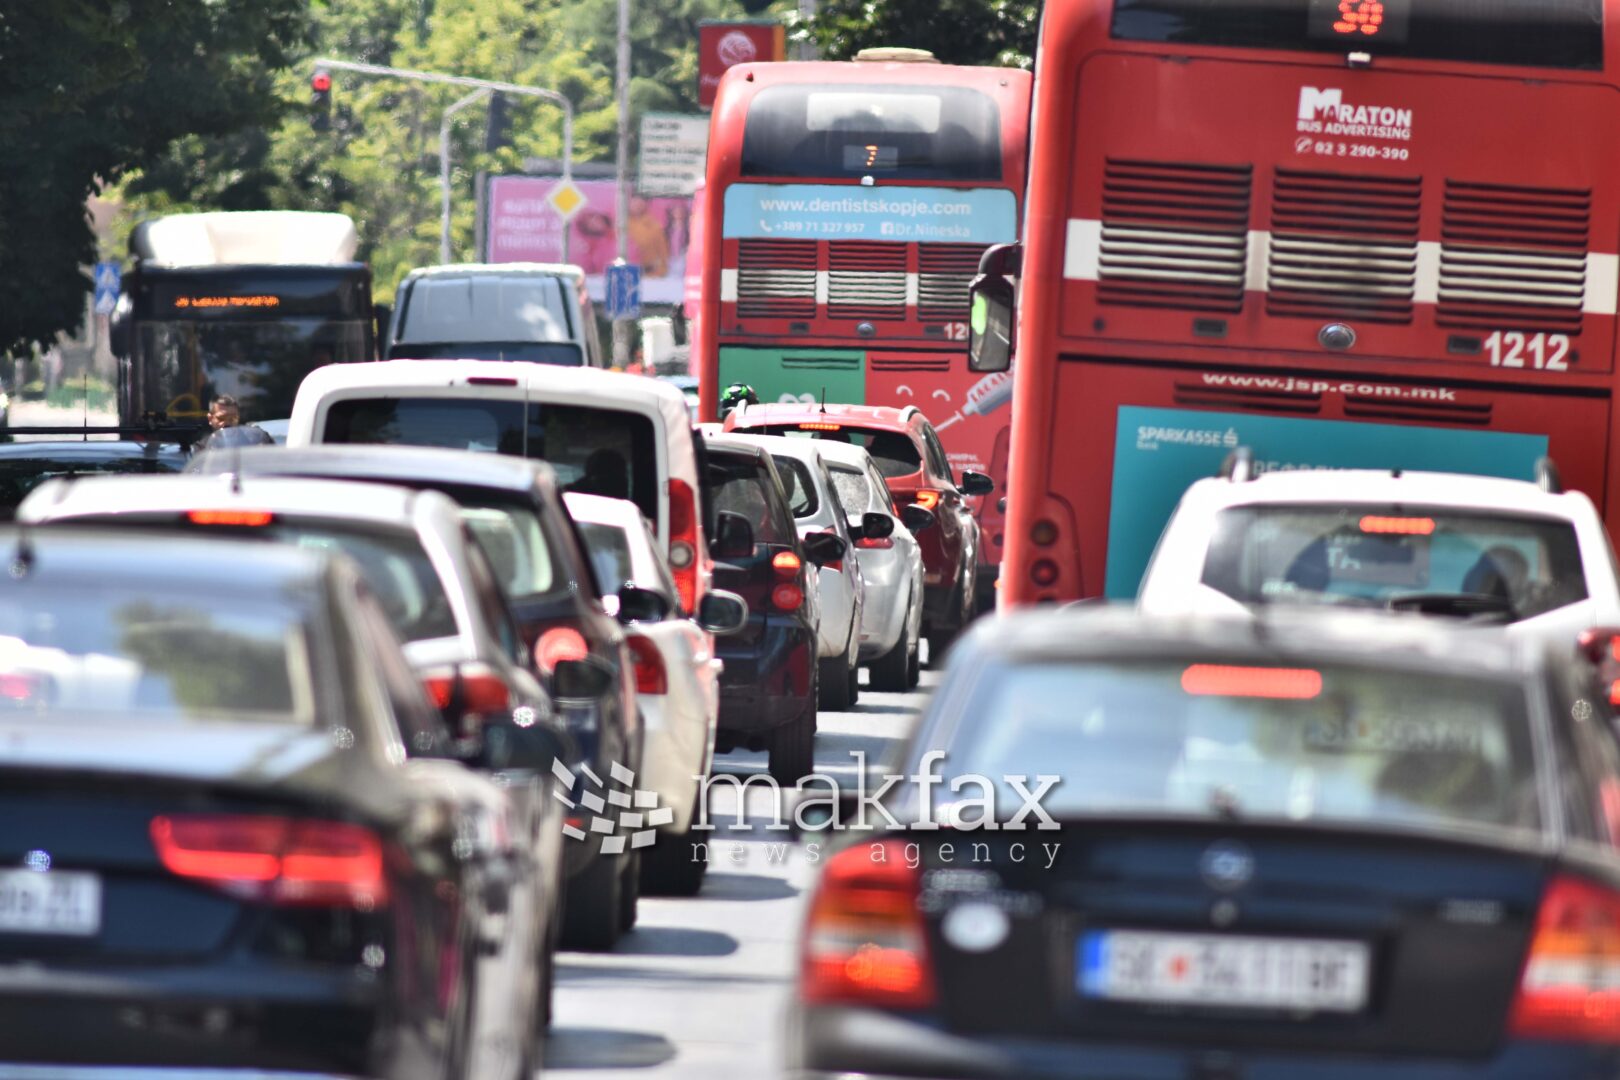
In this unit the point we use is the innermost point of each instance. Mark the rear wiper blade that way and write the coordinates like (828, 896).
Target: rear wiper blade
(1484, 607)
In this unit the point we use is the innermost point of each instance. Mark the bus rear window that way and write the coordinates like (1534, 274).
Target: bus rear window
(1531, 33)
(921, 133)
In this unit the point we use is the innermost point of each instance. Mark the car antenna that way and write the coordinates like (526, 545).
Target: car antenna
(824, 398)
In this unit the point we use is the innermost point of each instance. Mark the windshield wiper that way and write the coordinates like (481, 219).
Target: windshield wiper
(1480, 607)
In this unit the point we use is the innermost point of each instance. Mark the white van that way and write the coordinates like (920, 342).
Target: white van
(602, 432)
(538, 312)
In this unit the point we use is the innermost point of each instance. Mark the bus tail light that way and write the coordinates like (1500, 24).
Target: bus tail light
(864, 939)
(683, 542)
(1570, 989)
(651, 678)
(276, 859)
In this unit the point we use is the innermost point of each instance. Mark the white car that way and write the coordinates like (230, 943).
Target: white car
(677, 683)
(816, 509)
(1528, 555)
(891, 566)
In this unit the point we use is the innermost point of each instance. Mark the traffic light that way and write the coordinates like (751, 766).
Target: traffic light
(320, 99)
(499, 131)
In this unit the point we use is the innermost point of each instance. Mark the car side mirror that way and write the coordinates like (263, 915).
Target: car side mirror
(976, 483)
(733, 537)
(580, 680)
(824, 548)
(876, 526)
(917, 517)
(991, 297)
(721, 612)
(532, 747)
(642, 605)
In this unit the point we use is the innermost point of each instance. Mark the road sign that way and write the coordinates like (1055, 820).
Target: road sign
(623, 291)
(567, 199)
(673, 153)
(108, 277)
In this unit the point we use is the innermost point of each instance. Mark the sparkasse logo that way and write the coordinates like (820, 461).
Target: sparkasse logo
(1324, 112)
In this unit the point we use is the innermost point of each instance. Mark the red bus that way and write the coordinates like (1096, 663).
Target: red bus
(1338, 232)
(845, 211)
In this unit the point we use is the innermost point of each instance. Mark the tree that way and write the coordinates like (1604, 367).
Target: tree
(94, 89)
(956, 31)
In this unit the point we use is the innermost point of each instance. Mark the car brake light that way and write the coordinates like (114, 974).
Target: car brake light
(864, 939)
(1399, 526)
(787, 597)
(1601, 646)
(1222, 680)
(651, 678)
(1570, 989)
(250, 518)
(926, 498)
(275, 859)
(786, 563)
(683, 542)
(482, 691)
(870, 542)
(558, 644)
(820, 425)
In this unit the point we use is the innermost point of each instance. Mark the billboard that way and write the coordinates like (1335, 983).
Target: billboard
(724, 45)
(674, 152)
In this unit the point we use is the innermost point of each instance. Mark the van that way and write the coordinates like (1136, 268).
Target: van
(535, 312)
(603, 433)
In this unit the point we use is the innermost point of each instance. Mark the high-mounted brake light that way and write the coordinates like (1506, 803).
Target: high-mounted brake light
(926, 498)
(558, 644)
(250, 518)
(820, 425)
(1570, 989)
(1398, 526)
(1224, 680)
(683, 543)
(651, 678)
(275, 859)
(864, 938)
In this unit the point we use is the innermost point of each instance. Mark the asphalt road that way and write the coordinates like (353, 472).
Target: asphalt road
(698, 989)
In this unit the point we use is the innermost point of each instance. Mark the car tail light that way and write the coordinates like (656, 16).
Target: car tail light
(275, 859)
(20, 685)
(1570, 989)
(683, 542)
(1601, 646)
(787, 597)
(482, 691)
(786, 563)
(864, 939)
(251, 518)
(871, 542)
(558, 644)
(1225, 680)
(651, 678)
(926, 498)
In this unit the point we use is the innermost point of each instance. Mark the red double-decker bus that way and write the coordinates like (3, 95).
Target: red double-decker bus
(1338, 232)
(845, 211)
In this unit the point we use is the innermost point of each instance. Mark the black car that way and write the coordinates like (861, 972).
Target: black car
(512, 507)
(1349, 847)
(231, 832)
(26, 465)
(768, 689)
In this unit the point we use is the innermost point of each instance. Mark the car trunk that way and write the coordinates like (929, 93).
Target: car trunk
(1444, 921)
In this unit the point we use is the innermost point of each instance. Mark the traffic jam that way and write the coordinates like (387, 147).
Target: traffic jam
(1123, 589)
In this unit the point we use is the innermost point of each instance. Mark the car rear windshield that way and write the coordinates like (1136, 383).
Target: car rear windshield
(743, 485)
(19, 476)
(797, 485)
(607, 452)
(1396, 556)
(1297, 742)
(130, 654)
(894, 452)
(609, 550)
(854, 490)
(515, 544)
(563, 354)
(394, 565)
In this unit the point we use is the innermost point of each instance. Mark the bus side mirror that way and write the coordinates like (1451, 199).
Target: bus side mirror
(990, 324)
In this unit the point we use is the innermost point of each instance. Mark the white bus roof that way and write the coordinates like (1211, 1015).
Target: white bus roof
(247, 238)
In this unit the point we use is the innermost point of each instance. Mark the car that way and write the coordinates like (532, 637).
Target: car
(26, 465)
(768, 690)
(423, 555)
(842, 592)
(531, 312)
(890, 563)
(1523, 554)
(234, 834)
(909, 455)
(604, 433)
(1339, 844)
(677, 682)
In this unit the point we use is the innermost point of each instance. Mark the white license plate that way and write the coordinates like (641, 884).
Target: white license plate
(1220, 970)
(50, 902)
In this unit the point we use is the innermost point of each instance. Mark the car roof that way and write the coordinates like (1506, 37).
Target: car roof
(66, 449)
(183, 564)
(514, 269)
(1100, 632)
(784, 446)
(782, 413)
(1460, 490)
(599, 508)
(735, 445)
(410, 465)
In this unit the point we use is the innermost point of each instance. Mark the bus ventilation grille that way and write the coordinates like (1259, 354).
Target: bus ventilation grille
(776, 279)
(866, 280)
(1513, 257)
(1174, 235)
(1343, 246)
(944, 272)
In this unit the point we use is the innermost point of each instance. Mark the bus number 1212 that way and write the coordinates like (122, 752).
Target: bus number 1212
(1546, 352)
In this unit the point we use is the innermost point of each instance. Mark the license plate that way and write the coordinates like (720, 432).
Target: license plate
(50, 902)
(1220, 970)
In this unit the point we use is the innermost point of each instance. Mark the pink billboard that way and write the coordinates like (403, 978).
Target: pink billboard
(524, 227)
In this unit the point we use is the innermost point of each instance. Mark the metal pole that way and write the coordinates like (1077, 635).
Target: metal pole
(621, 327)
(807, 11)
(444, 169)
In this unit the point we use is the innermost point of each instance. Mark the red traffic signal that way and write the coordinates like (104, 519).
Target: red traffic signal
(321, 82)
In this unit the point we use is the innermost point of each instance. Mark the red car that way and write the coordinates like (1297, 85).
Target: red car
(908, 452)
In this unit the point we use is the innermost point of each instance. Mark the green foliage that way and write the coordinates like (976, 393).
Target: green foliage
(94, 88)
(956, 31)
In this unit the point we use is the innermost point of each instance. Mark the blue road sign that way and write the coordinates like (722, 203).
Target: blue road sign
(623, 291)
(108, 277)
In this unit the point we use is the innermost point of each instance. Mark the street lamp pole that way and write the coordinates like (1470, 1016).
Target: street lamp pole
(621, 327)
(444, 168)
